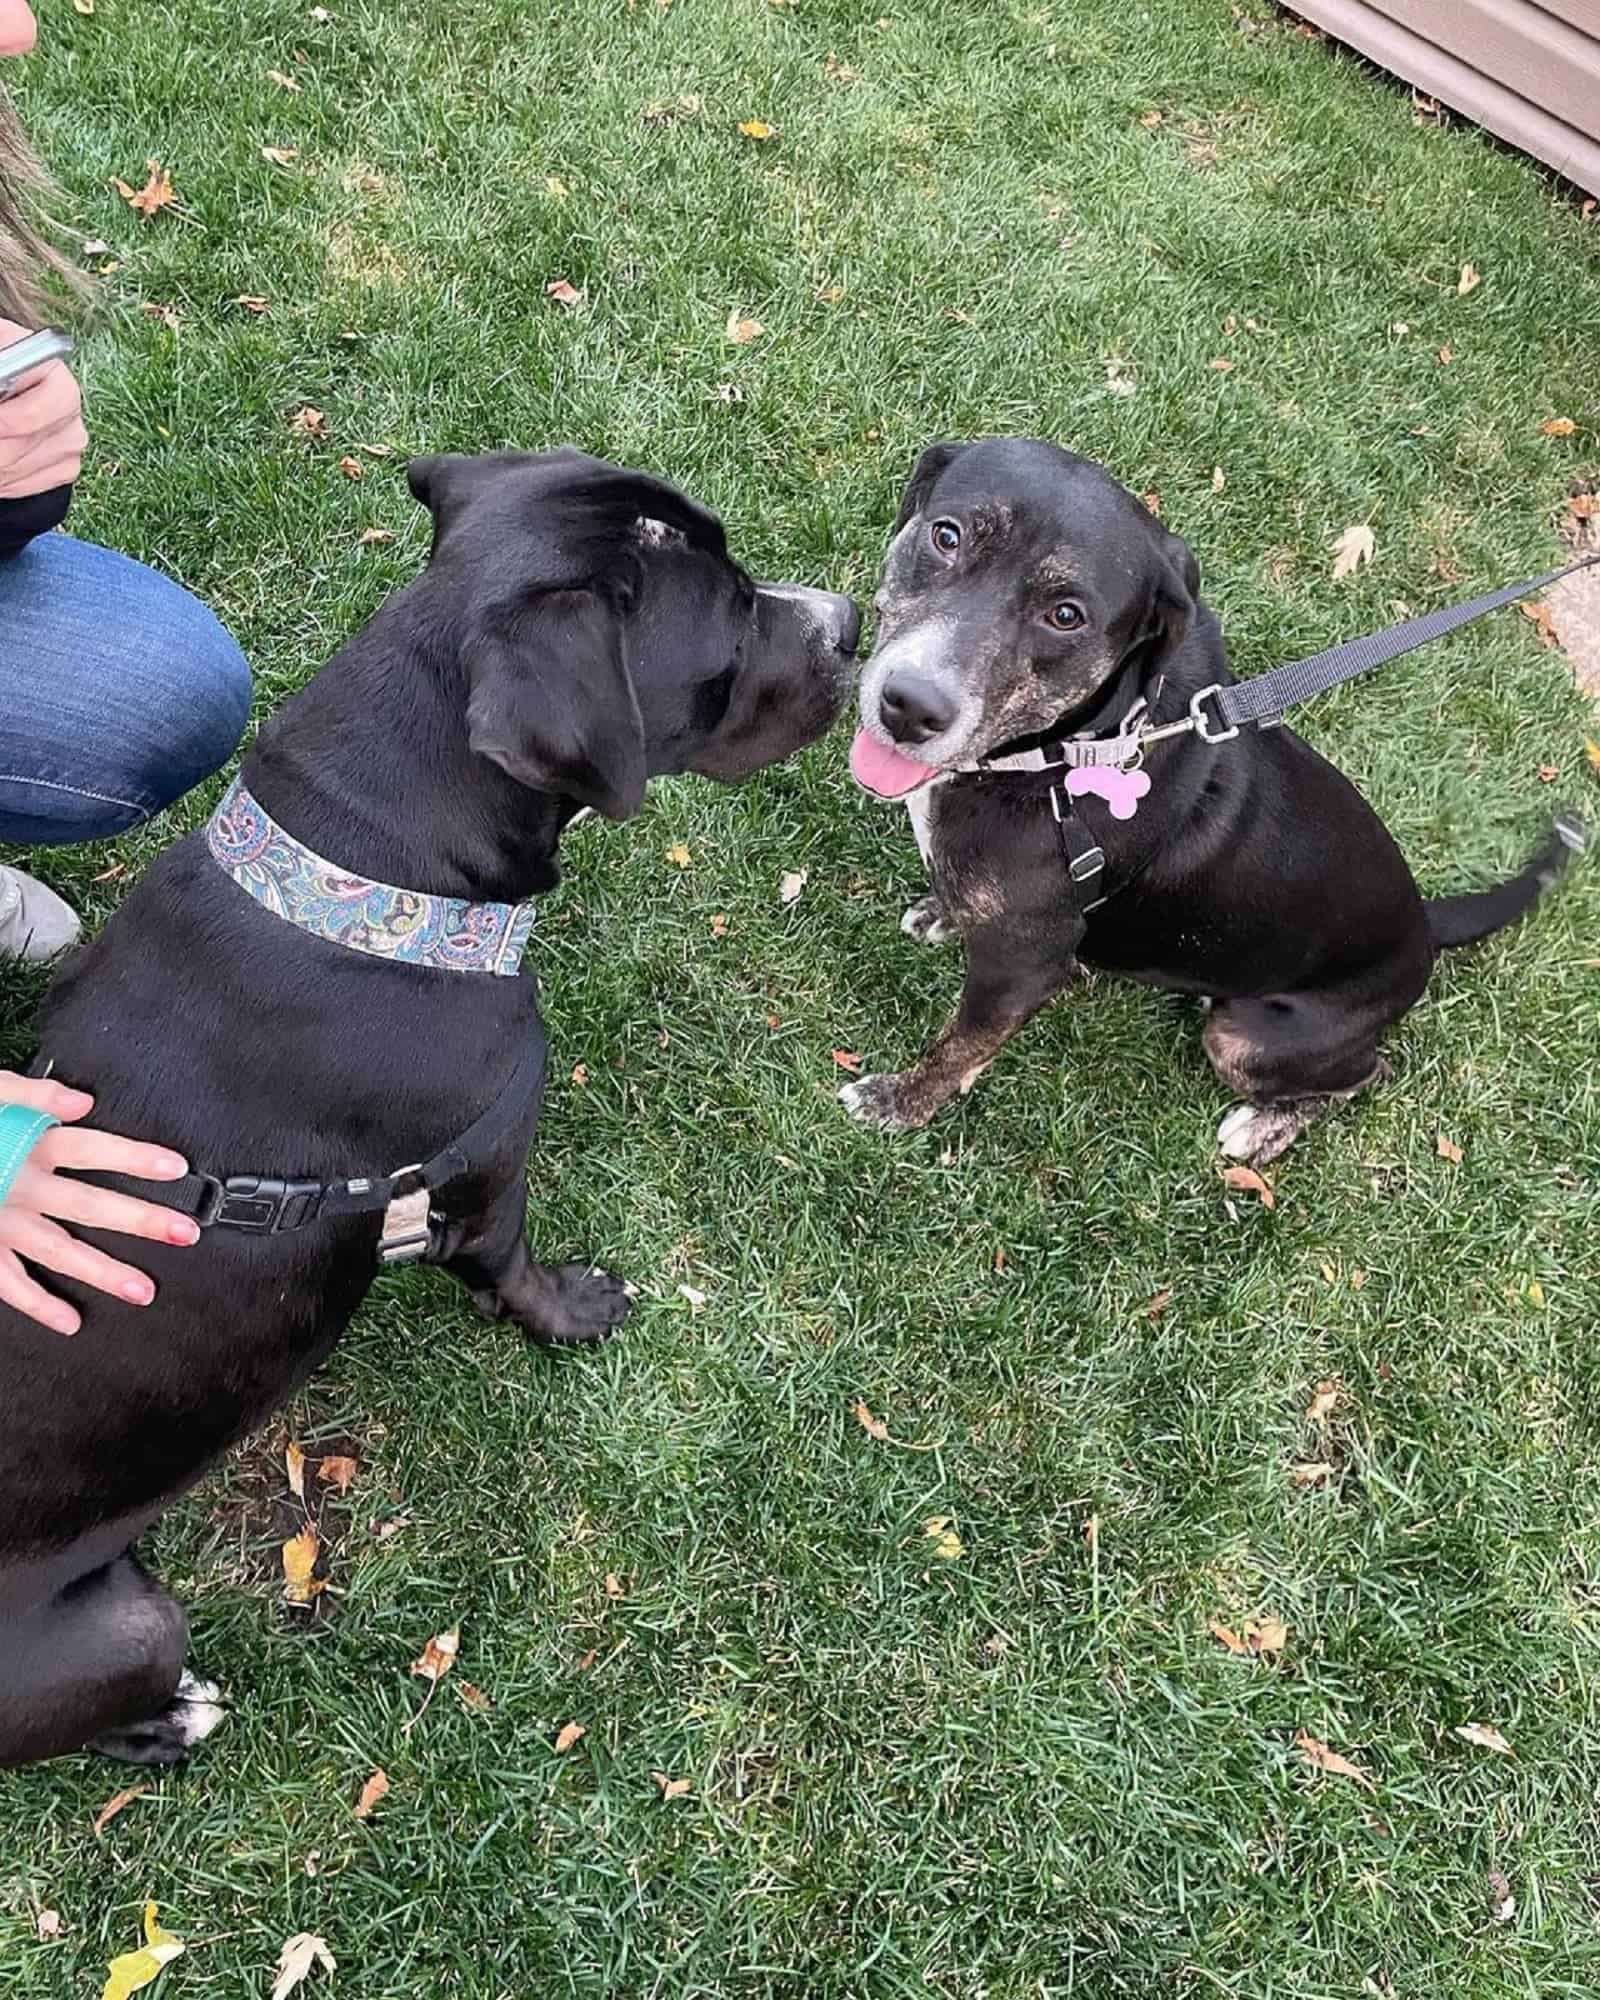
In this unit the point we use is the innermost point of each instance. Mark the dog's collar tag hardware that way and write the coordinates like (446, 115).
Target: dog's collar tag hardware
(1122, 789)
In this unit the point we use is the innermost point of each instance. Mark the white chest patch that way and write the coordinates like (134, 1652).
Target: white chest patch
(920, 808)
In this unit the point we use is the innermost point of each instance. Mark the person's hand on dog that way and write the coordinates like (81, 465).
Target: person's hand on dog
(40, 1200)
(42, 438)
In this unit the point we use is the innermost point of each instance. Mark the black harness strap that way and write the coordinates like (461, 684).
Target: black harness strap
(272, 1204)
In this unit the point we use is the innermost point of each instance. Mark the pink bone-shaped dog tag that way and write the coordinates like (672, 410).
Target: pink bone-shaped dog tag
(1121, 790)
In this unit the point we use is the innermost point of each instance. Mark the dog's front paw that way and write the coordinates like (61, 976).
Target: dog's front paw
(887, 1102)
(926, 921)
(581, 1307)
(167, 1738)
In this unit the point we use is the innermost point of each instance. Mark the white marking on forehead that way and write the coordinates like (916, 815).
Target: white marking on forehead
(658, 535)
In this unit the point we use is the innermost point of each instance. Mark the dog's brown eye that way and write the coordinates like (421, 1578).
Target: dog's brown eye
(1065, 617)
(945, 536)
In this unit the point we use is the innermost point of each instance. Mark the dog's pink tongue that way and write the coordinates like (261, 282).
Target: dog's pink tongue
(877, 768)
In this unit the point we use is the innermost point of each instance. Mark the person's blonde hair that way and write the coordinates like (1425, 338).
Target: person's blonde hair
(28, 260)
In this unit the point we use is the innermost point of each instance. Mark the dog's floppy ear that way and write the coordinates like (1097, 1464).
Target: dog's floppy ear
(551, 700)
(1173, 600)
(923, 474)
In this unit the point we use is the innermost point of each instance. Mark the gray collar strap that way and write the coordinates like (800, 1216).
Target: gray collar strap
(405, 926)
(1078, 753)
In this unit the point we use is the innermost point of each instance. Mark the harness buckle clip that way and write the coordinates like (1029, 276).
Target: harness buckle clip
(1223, 735)
(262, 1204)
(407, 1232)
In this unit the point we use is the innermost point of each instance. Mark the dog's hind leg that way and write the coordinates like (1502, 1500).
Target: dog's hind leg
(1292, 1058)
(99, 1666)
(557, 1305)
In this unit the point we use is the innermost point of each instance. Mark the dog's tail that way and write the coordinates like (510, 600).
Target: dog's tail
(1465, 919)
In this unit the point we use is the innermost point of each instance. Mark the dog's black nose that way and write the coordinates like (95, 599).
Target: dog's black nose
(846, 622)
(914, 710)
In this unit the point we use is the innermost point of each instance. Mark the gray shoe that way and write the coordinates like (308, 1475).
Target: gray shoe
(35, 924)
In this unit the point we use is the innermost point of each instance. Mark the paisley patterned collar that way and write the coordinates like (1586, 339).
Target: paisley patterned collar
(402, 925)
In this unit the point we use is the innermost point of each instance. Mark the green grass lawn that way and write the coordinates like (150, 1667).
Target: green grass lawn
(1026, 1769)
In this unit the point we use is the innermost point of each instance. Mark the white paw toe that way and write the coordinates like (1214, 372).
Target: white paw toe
(196, 1708)
(1236, 1135)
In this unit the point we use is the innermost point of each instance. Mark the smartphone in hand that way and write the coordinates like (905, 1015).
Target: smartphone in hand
(24, 357)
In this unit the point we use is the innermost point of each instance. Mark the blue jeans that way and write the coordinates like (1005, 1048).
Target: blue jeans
(118, 693)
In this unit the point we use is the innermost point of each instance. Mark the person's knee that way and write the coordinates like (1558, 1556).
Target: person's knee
(199, 706)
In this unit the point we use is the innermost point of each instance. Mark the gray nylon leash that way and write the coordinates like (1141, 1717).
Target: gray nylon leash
(1263, 699)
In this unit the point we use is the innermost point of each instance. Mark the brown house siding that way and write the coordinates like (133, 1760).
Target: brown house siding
(1528, 73)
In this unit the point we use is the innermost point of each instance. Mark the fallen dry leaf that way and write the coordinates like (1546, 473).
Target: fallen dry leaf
(1447, 355)
(580, 1075)
(47, 1925)
(843, 1059)
(85, 7)
(339, 1472)
(352, 468)
(169, 316)
(280, 156)
(1266, 1635)
(1321, 1758)
(759, 129)
(1247, 1181)
(156, 194)
(1504, 1903)
(438, 1656)
(372, 538)
(568, 1734)
(1259, 1638)
(1152, 501)
(1317, 1473)
(474, 1697)
(283, 80)
(1219, 479)
(1548, 773)
(1485, 1736)
(1591, 751)
(874, 1427)
(135, 1970)
(695, 1297)
(372, 1792)
(1558, 427)
(1448, 1150)
(1222, 365)
(295, 1961)
(679, 855)
(615, 1587)
(253, 303)
(556, 187)
(1538, 615)
(1320, 1408)
(1353, 548)
(741, 330)
(1151, 119)
(719, 925)
(309, 422)
(563, 292)
(672, 1788)
(119, 1803)
(1469, 281)
(792, 883)
(294, 1464)
(1159, 1304)
(299, 1555)
(947, 1544)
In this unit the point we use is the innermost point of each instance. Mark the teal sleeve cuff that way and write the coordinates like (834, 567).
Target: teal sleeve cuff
(20, 1131)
